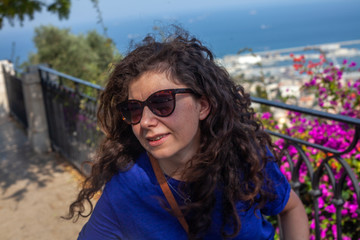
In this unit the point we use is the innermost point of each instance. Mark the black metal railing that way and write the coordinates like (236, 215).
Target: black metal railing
(336, 185)
(70, 105)
(15, 96)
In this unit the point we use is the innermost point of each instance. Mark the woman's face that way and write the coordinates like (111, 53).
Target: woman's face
(172, 140)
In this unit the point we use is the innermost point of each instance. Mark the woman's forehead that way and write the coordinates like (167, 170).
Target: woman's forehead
(150, 82)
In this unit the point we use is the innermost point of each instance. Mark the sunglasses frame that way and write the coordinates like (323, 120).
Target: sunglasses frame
(123, 105)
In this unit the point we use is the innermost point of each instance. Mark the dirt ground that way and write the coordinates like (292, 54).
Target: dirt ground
(35, 190)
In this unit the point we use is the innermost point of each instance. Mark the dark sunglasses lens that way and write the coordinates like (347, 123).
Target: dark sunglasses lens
(132, 111)
(162, 103)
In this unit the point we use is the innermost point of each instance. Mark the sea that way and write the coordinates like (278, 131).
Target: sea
(225, 31)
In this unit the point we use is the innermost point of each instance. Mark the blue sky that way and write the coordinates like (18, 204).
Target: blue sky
(114, 13)
(119, 14)
(82, 11)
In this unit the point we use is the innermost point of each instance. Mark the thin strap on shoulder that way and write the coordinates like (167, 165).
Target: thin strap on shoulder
(167, 192)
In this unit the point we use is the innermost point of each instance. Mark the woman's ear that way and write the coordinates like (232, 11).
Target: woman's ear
(204, 108)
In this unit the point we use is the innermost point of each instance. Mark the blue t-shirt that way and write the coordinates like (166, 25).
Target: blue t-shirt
(130, 208)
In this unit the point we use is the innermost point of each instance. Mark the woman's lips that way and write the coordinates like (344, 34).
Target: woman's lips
(157, 140)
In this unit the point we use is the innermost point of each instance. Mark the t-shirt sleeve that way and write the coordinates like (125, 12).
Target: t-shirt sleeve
(103, 222)
(280, 187)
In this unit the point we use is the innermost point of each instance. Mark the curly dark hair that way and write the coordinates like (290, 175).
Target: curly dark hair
(233, 150)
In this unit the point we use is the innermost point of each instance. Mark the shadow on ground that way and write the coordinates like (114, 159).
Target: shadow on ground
(18, 162)
(35, 189)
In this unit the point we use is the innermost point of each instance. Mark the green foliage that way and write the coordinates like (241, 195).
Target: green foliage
(83, 56)
(19, 9)
(257, 81)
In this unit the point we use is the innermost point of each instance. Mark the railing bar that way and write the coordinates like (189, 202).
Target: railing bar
(351, 175)
(71, 78)
(338, 223)
(353, 142)
(79, 93)
(314, 145)
(312, 112)
(72, 90)
(317, 218)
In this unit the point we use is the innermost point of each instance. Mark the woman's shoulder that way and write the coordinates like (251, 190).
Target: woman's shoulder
(137, 176)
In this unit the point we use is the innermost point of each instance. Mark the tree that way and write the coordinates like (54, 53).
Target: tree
(19, 9)
(83, 56)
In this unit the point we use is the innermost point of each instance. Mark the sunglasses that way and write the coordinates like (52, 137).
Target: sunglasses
(161, 103)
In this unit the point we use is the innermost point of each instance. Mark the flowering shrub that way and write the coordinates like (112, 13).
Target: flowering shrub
(337, 95)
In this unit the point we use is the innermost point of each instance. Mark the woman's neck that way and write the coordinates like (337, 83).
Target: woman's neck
(171, 168)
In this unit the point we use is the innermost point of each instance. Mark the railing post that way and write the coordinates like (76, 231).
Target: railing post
(6, 67)
(35, 110)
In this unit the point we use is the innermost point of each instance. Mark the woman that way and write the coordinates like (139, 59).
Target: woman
(176, 127)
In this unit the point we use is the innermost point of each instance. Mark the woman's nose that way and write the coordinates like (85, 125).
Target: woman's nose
(148, 118)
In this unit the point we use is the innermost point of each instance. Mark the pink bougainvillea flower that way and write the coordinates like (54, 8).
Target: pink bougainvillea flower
(321, 202)
(312, 224)
(339, 74)
(326, 70)
(322, 90)
(352, 64)
(329, 78)
(347, 105)
(323, 234)
(326, 178)
(334, 229)
(344, 212)
(297, 114)
(266, 115)
(344, 61)
(301, 129)
(353, 207)
(314, 151)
